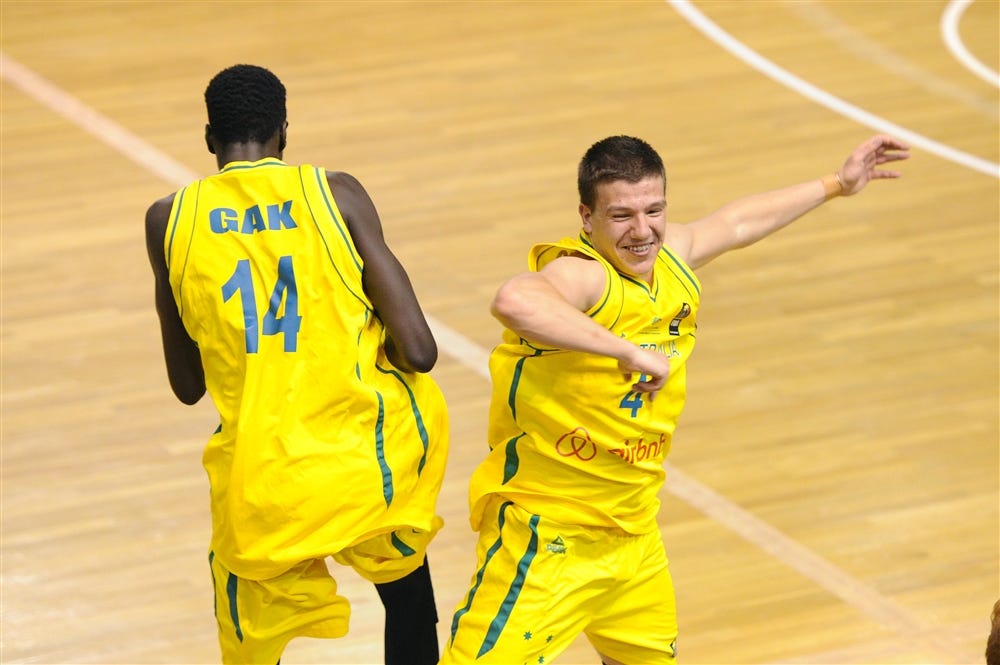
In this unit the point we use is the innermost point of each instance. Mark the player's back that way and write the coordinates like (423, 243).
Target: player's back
(268, 283)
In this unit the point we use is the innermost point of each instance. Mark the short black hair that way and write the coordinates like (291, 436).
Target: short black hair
(245, 103)
(616, 158)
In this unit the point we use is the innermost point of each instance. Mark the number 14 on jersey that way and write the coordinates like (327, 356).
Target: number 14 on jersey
(289, 321)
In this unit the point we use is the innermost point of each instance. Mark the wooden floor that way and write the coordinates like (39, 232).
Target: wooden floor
(833, 489)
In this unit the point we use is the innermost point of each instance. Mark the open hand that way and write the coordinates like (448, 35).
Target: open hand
(861, 165)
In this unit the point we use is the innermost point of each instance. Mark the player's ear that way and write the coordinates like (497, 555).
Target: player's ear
(208, 139)
(283, 136)
(585, 214)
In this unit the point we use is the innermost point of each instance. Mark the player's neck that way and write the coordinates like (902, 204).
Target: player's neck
(245, 152)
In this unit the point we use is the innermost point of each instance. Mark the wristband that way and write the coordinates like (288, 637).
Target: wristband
(832, 186)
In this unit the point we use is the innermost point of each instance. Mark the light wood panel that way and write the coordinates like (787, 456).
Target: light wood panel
(845, 388)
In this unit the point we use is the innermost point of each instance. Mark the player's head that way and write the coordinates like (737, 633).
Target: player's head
(622, 203)
(616, 158)
(246, 104)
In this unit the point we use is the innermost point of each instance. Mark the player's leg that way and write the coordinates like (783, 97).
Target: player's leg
(416, 422)
(257, 619)
(396, 563)
(637, 622)
(524, 601)
(410, 619)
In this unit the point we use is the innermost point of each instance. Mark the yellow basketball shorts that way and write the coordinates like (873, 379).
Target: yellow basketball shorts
(257, 618)
(539, 584)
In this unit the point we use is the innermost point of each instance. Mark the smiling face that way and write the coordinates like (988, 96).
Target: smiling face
(627, 223)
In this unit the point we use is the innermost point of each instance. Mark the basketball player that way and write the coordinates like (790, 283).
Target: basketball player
(565, 502)
(277, 293)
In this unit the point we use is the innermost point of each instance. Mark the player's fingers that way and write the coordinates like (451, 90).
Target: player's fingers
(894, 156)
(650, 385)
(883, 141)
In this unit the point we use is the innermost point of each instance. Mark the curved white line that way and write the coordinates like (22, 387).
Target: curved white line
(820, 17)
(704, 25)
(953, 40)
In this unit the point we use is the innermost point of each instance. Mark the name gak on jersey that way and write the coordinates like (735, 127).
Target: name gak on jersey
(274, 217)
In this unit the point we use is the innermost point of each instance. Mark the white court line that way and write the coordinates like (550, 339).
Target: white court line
(704, 25)
(953, 40)
(466, 352)
(821, 18)
(158, 162)
(94, 123)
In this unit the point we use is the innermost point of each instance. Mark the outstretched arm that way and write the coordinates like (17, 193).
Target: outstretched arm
(184, 368)
(747, 220)
(548, 307)
(409, 344)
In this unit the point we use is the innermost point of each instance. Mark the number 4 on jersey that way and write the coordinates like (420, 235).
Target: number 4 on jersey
(284, 290)
(633, 400)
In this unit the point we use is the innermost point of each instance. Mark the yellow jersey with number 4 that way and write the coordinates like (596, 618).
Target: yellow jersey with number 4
(569, 439)
(322, 442)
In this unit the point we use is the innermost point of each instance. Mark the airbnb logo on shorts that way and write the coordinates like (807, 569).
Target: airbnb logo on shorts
(640, 449)
(577, 444)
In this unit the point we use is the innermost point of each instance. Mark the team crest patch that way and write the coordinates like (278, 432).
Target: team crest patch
(557, 546)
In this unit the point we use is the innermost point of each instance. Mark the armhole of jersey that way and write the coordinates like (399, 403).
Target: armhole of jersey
(179, 238)
(326, 202)
(608, 308)
(170, 233)
(680, 270)
(332, 229)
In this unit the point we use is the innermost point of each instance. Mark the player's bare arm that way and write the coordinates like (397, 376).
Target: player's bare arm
(410, 345)
(184, 368)
(548, 308)
(751, 218)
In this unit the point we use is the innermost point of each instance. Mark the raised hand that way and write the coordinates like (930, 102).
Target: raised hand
(862, 165)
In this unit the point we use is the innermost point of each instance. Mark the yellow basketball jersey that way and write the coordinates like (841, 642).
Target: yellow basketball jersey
(569, 439)
(322, 443)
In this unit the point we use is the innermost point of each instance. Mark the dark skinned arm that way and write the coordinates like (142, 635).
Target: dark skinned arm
(409, 345)
(184, 369)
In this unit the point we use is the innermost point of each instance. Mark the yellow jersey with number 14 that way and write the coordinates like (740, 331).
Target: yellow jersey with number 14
(569, 439)
(322, 442)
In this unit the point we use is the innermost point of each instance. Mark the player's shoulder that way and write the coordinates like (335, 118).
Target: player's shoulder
(544, 253)
(158, 213)
(347, 190)
(342, 179)
(165, 202)
(572, 260)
